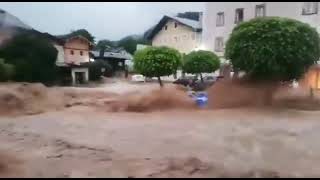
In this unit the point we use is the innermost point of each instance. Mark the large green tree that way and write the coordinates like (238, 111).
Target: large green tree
(32, 56)
(82, 32)
(273, 48)
(7, 71)
(99, 68)
(104, 44)
(130, 43)
(157, 62)
(198, 62)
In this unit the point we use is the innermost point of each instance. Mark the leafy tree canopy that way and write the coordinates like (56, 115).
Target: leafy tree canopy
(198, 62)
(130, 43)
(6, 71)
(273, 48)
(104, 44)
(33, 57)
(157, 61)
(95, 69)
(82, 32)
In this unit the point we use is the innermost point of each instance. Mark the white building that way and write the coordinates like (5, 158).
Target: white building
(220, 18)
(183, 34)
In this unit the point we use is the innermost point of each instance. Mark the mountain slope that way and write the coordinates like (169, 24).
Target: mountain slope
(8, 20)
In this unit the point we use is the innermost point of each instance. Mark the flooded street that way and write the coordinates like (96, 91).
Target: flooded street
(83, 142)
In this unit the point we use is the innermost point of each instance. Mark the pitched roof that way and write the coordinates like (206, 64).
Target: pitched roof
(188, 22)
(191, 15)
(194, 25)
(109, 54)
(77, 36)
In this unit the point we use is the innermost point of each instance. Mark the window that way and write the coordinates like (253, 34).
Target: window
(185, 37)
(220, 19)
(71, 52)
(310, 8)
(176, 39)
(219, 44)
(165, 27)
(175, 25)
(260, 10)
(239, 16)
(81, 53)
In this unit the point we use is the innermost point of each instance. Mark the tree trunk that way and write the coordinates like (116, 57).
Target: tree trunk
(235, 74)
(126, 72)
(201, 77)
(175, 75)
(269, 90)
(160, 82)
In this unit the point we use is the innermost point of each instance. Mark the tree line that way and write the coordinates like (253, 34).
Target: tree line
(31, 57)
(266, 49)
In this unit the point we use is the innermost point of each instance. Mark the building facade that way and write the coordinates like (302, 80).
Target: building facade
(73, 57)
(220, 18)
(179, 33)
(73, 52)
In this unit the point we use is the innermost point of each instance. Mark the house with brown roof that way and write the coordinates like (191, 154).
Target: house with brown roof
(73, 51)
(181, 33)
(73, 58)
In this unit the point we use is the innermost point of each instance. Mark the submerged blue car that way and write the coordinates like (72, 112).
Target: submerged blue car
(201, 98)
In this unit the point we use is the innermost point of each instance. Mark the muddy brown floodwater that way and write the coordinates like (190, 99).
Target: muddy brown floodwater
(82, 140)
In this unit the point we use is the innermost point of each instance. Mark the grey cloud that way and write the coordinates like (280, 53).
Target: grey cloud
(109, 20)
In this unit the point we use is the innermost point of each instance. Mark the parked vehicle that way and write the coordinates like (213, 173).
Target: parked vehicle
(219, 77)
(138, 78)
(196, 84)
(188, 80)
(207, 82)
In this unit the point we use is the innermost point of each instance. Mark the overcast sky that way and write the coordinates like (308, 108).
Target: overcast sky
(105, 20)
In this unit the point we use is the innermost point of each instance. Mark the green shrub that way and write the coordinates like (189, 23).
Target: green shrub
(198, 62)
(32, 56)
(6, 71)
(95, 69)
(157, 61)
(273, 48)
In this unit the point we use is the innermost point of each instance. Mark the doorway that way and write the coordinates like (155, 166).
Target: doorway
(79, 76)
